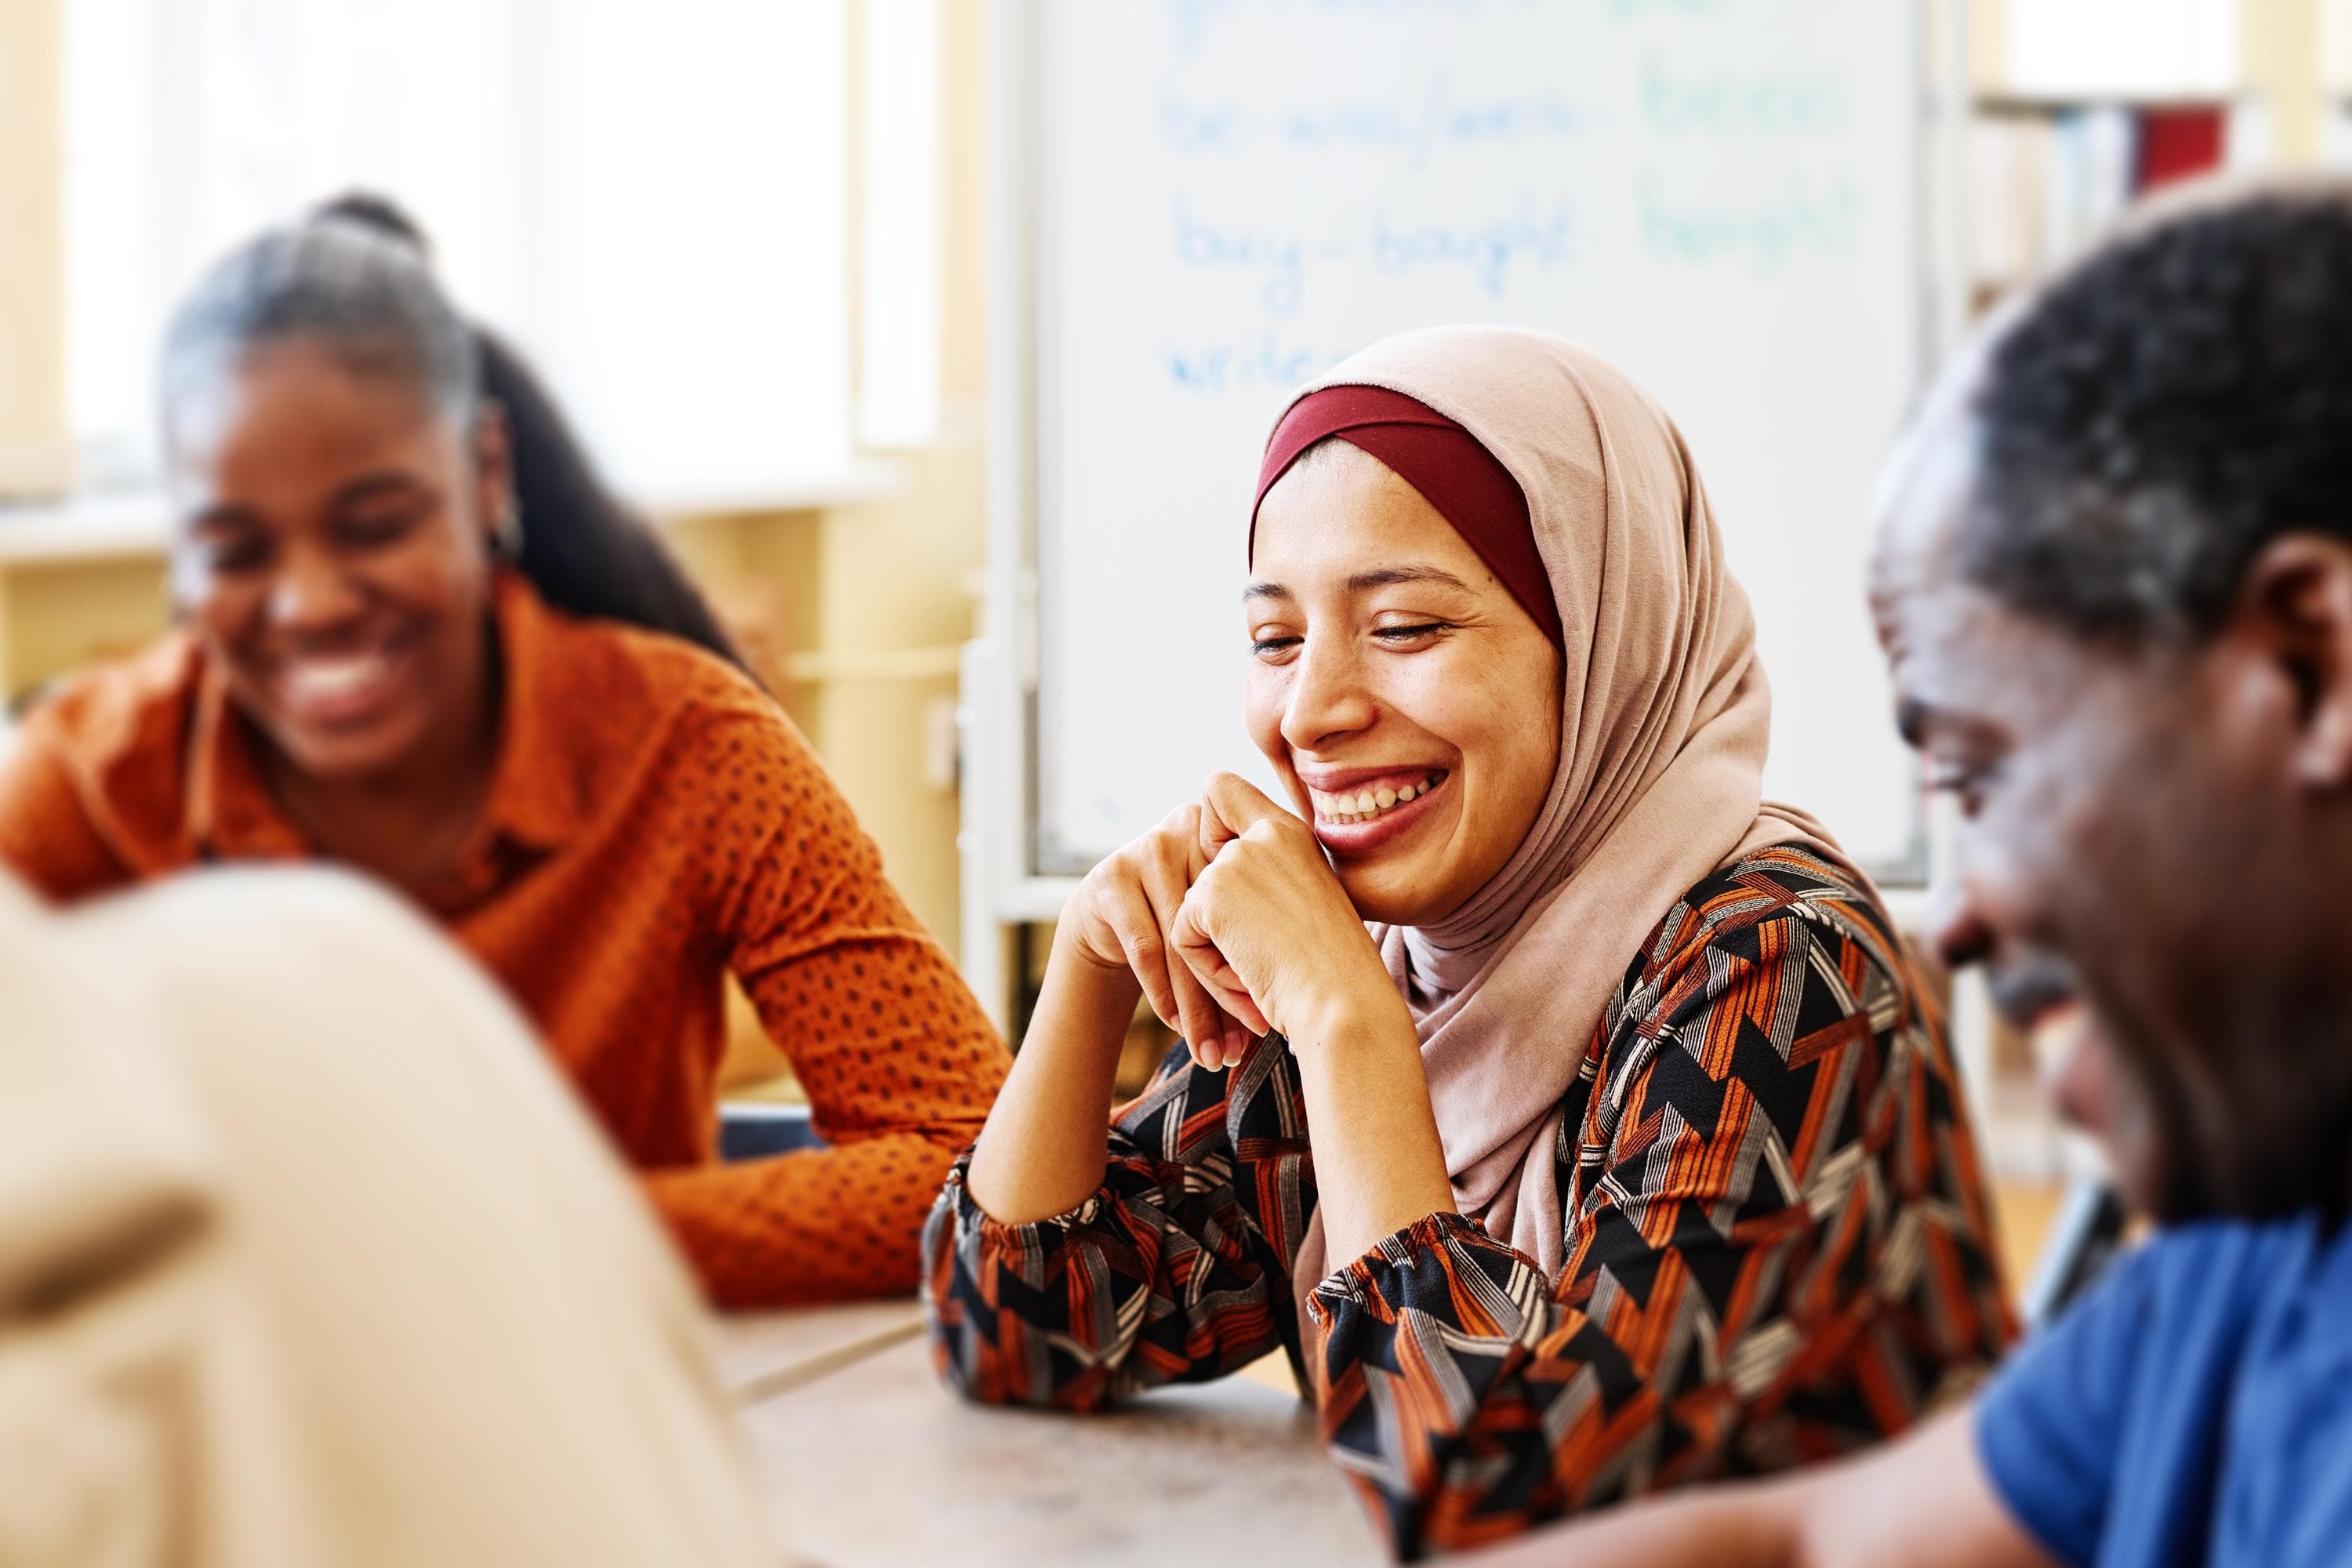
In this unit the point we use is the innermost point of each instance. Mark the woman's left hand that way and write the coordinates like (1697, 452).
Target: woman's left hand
(1267, 926)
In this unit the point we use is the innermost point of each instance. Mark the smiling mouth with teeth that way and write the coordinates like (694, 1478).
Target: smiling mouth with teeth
(339, 691)
(1363, 806)
(331, 678)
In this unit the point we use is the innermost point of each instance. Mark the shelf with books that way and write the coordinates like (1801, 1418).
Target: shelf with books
(2046, 175)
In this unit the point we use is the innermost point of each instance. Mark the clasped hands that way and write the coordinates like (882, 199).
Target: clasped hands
(1232, 921)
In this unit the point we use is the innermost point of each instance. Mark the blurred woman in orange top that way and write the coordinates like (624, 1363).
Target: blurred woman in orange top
(609, 818)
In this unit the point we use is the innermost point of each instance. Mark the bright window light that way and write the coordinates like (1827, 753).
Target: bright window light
(898, 393)
(2131, 49)
(650, 200)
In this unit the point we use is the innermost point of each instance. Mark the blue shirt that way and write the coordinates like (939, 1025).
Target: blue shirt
(2196, 1407)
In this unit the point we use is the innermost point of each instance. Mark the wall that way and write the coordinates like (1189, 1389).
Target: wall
(870, 602)
(896, 578)
(58, 615)
(36, 451)
(2279, 41)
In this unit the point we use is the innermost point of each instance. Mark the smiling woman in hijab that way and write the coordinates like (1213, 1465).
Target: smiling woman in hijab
(1575, 1117)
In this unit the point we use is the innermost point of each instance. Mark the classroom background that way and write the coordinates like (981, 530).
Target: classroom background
(808, 276)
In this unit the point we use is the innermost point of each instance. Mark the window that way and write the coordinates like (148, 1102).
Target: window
(2137, 49)
(899, 392)
(650, 200)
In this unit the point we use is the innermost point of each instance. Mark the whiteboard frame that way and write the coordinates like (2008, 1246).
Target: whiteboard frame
(1013, 872)
(996, 711)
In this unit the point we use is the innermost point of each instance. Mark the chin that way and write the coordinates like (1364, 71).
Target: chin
(1388, 898)
(335, 758)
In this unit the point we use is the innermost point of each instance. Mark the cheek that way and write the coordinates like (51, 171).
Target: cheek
(1532, 744)
(444, 571)
(1263, 691)
(2052, 846)
(2006, 855)
(2084, 856)
(2115, 813)
(1508, 745)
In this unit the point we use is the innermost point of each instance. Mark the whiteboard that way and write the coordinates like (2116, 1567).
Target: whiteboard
(1227, 196)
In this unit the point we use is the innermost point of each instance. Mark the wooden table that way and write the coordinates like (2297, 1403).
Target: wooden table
(761, 1354)
(870, 1460)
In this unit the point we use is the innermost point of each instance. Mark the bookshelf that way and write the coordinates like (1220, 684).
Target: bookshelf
(2078, 108)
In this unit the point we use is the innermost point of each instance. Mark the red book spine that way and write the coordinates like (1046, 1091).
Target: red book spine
(2178, 144)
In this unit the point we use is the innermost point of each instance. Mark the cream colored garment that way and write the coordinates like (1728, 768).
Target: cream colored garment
(307, 1261)
(1663, 719)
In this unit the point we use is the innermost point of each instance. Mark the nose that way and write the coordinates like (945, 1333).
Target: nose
(311, 593)
(1328, 697)
(1956, 928)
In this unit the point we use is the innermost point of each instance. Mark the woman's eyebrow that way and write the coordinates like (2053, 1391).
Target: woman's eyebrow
(1384, 576)
(370, 486)
(1378, 577)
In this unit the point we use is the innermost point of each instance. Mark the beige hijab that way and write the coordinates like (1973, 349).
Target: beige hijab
(1663, 723)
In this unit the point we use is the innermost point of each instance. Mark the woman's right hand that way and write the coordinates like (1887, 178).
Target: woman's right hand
(1121, 919)
(1046, 1140)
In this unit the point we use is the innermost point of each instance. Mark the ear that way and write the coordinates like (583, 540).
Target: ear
(2294, 607)
(494, 492)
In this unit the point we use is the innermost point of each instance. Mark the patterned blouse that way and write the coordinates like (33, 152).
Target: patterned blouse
(1778, 1242)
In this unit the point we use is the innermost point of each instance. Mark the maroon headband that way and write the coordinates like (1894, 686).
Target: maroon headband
(1450, 466)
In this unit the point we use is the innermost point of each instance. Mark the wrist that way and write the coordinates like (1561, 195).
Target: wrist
(1077, 957)
(1097, 998)
(1379, 1161)
(1353, 1018)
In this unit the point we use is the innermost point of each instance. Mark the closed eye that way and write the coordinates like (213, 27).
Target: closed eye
(242, 551)
(1395, 636)
(381, 525)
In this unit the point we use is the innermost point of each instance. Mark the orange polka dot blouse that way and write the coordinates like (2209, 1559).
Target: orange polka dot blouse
(654, 821)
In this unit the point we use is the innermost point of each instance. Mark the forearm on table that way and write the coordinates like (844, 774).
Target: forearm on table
(1378, 1164)
(1744, 1525)
(1168, 1272)
(819, 1225)
(1047, 1140)
(1925, 1502)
